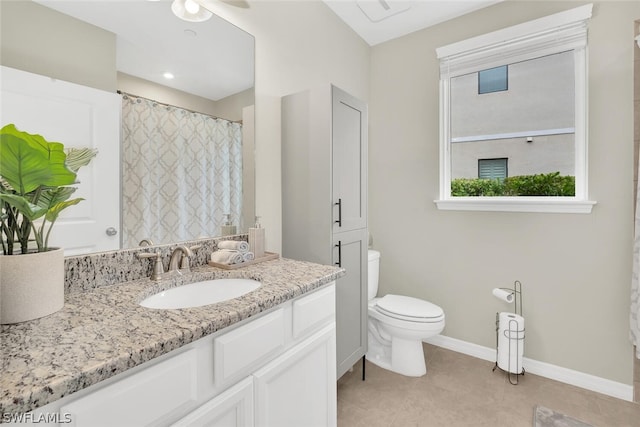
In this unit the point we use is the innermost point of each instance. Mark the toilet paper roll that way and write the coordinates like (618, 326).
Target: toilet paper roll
(510, 342)
(503, 294)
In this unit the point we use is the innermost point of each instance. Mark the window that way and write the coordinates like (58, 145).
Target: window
(517, 94)
(492, 168)
(493, 80)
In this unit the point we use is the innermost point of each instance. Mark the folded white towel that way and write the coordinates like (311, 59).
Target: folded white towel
(248, 256)
(227, 256)
(236, 245)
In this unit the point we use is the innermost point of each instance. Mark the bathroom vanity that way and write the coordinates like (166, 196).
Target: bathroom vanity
(265, 358)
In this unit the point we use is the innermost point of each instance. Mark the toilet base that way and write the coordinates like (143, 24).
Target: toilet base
(405, 357)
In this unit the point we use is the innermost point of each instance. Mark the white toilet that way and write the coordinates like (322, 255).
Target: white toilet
(397, 326)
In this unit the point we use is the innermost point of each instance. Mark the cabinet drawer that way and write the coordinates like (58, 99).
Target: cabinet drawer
(149, 395)
(313, 311)
(239, 350)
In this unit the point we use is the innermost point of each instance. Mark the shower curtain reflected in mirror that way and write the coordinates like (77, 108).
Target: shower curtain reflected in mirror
(181, 172)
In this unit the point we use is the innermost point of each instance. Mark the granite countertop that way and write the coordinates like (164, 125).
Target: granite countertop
(103, 332)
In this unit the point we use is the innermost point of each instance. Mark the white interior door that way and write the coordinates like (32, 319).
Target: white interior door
(77, 116)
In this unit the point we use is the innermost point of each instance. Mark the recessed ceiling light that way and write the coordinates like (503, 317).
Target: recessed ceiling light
(167, 75)
(190, 10)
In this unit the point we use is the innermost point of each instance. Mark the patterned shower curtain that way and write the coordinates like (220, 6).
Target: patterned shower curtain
(181, 172)
(635, 281)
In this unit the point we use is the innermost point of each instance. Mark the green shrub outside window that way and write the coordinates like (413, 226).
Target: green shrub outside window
(551, 184)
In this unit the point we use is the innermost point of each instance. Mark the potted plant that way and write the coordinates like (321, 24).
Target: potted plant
(35, 186)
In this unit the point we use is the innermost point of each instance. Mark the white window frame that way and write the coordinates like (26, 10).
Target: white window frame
(545, 36)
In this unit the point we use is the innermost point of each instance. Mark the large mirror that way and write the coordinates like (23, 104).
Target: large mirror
(212, 65)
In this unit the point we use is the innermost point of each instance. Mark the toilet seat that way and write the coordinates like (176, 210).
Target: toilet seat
(409, 309)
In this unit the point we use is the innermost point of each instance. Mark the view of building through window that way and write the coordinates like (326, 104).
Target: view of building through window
(521, 115)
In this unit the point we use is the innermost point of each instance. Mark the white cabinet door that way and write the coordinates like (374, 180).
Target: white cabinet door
(299, 388)
(350, 252)
(349, 161)
(233, 408)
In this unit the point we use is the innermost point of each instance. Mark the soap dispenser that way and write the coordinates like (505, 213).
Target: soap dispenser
(228, 229)
(256, 239)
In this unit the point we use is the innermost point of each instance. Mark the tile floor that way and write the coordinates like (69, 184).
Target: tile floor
(461, 391)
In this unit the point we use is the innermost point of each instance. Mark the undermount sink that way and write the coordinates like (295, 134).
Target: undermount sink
(201, 293)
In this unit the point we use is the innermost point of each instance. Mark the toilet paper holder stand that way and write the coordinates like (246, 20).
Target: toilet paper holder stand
(517, 301)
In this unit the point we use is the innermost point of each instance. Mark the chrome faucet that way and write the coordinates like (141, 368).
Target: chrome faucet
(179, 260)
(146, 242)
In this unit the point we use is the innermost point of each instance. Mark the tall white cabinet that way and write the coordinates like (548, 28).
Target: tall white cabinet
(324, 201)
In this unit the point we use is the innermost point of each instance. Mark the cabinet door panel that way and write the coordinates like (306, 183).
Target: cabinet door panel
(299, 388)
(351, 298)
(349, 161)
(233, 408)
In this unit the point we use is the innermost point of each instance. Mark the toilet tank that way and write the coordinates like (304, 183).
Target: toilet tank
(373, 273)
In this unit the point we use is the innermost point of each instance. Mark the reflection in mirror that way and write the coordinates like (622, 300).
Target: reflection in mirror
(181, 172)
(513, 129)
(213, 67)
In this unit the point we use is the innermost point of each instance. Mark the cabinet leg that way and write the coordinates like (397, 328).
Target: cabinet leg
(363, 368)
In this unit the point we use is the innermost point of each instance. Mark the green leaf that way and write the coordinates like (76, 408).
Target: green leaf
(78, 157)
(27, 209)
(52, 196)
(28, 161)
(55, 210)
(55, 201)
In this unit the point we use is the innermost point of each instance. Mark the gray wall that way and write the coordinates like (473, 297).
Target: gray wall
(575, 269)
(299, 45)
(42, 41)
(543, 82)
(540, 97)
(548, 153)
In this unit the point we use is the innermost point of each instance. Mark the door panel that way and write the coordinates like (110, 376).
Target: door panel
(351, 298)
(298, 388)
(77, 116)
(349, 161)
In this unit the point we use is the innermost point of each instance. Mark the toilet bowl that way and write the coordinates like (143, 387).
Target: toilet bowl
(397, 325)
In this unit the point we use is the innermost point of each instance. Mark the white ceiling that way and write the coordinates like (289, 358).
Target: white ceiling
(211, 59)
(377, 21)
(215, 59)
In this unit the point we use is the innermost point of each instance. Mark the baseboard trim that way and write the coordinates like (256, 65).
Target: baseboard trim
(547, 370)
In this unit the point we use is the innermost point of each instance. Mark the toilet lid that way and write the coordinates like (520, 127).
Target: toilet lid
(408, 308)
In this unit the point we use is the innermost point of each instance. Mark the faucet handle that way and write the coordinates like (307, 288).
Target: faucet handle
(158, 267)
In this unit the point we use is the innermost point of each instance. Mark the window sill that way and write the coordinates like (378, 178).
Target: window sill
(520, 204)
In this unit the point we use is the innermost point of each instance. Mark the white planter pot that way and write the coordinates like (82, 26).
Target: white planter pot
(31, 285)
